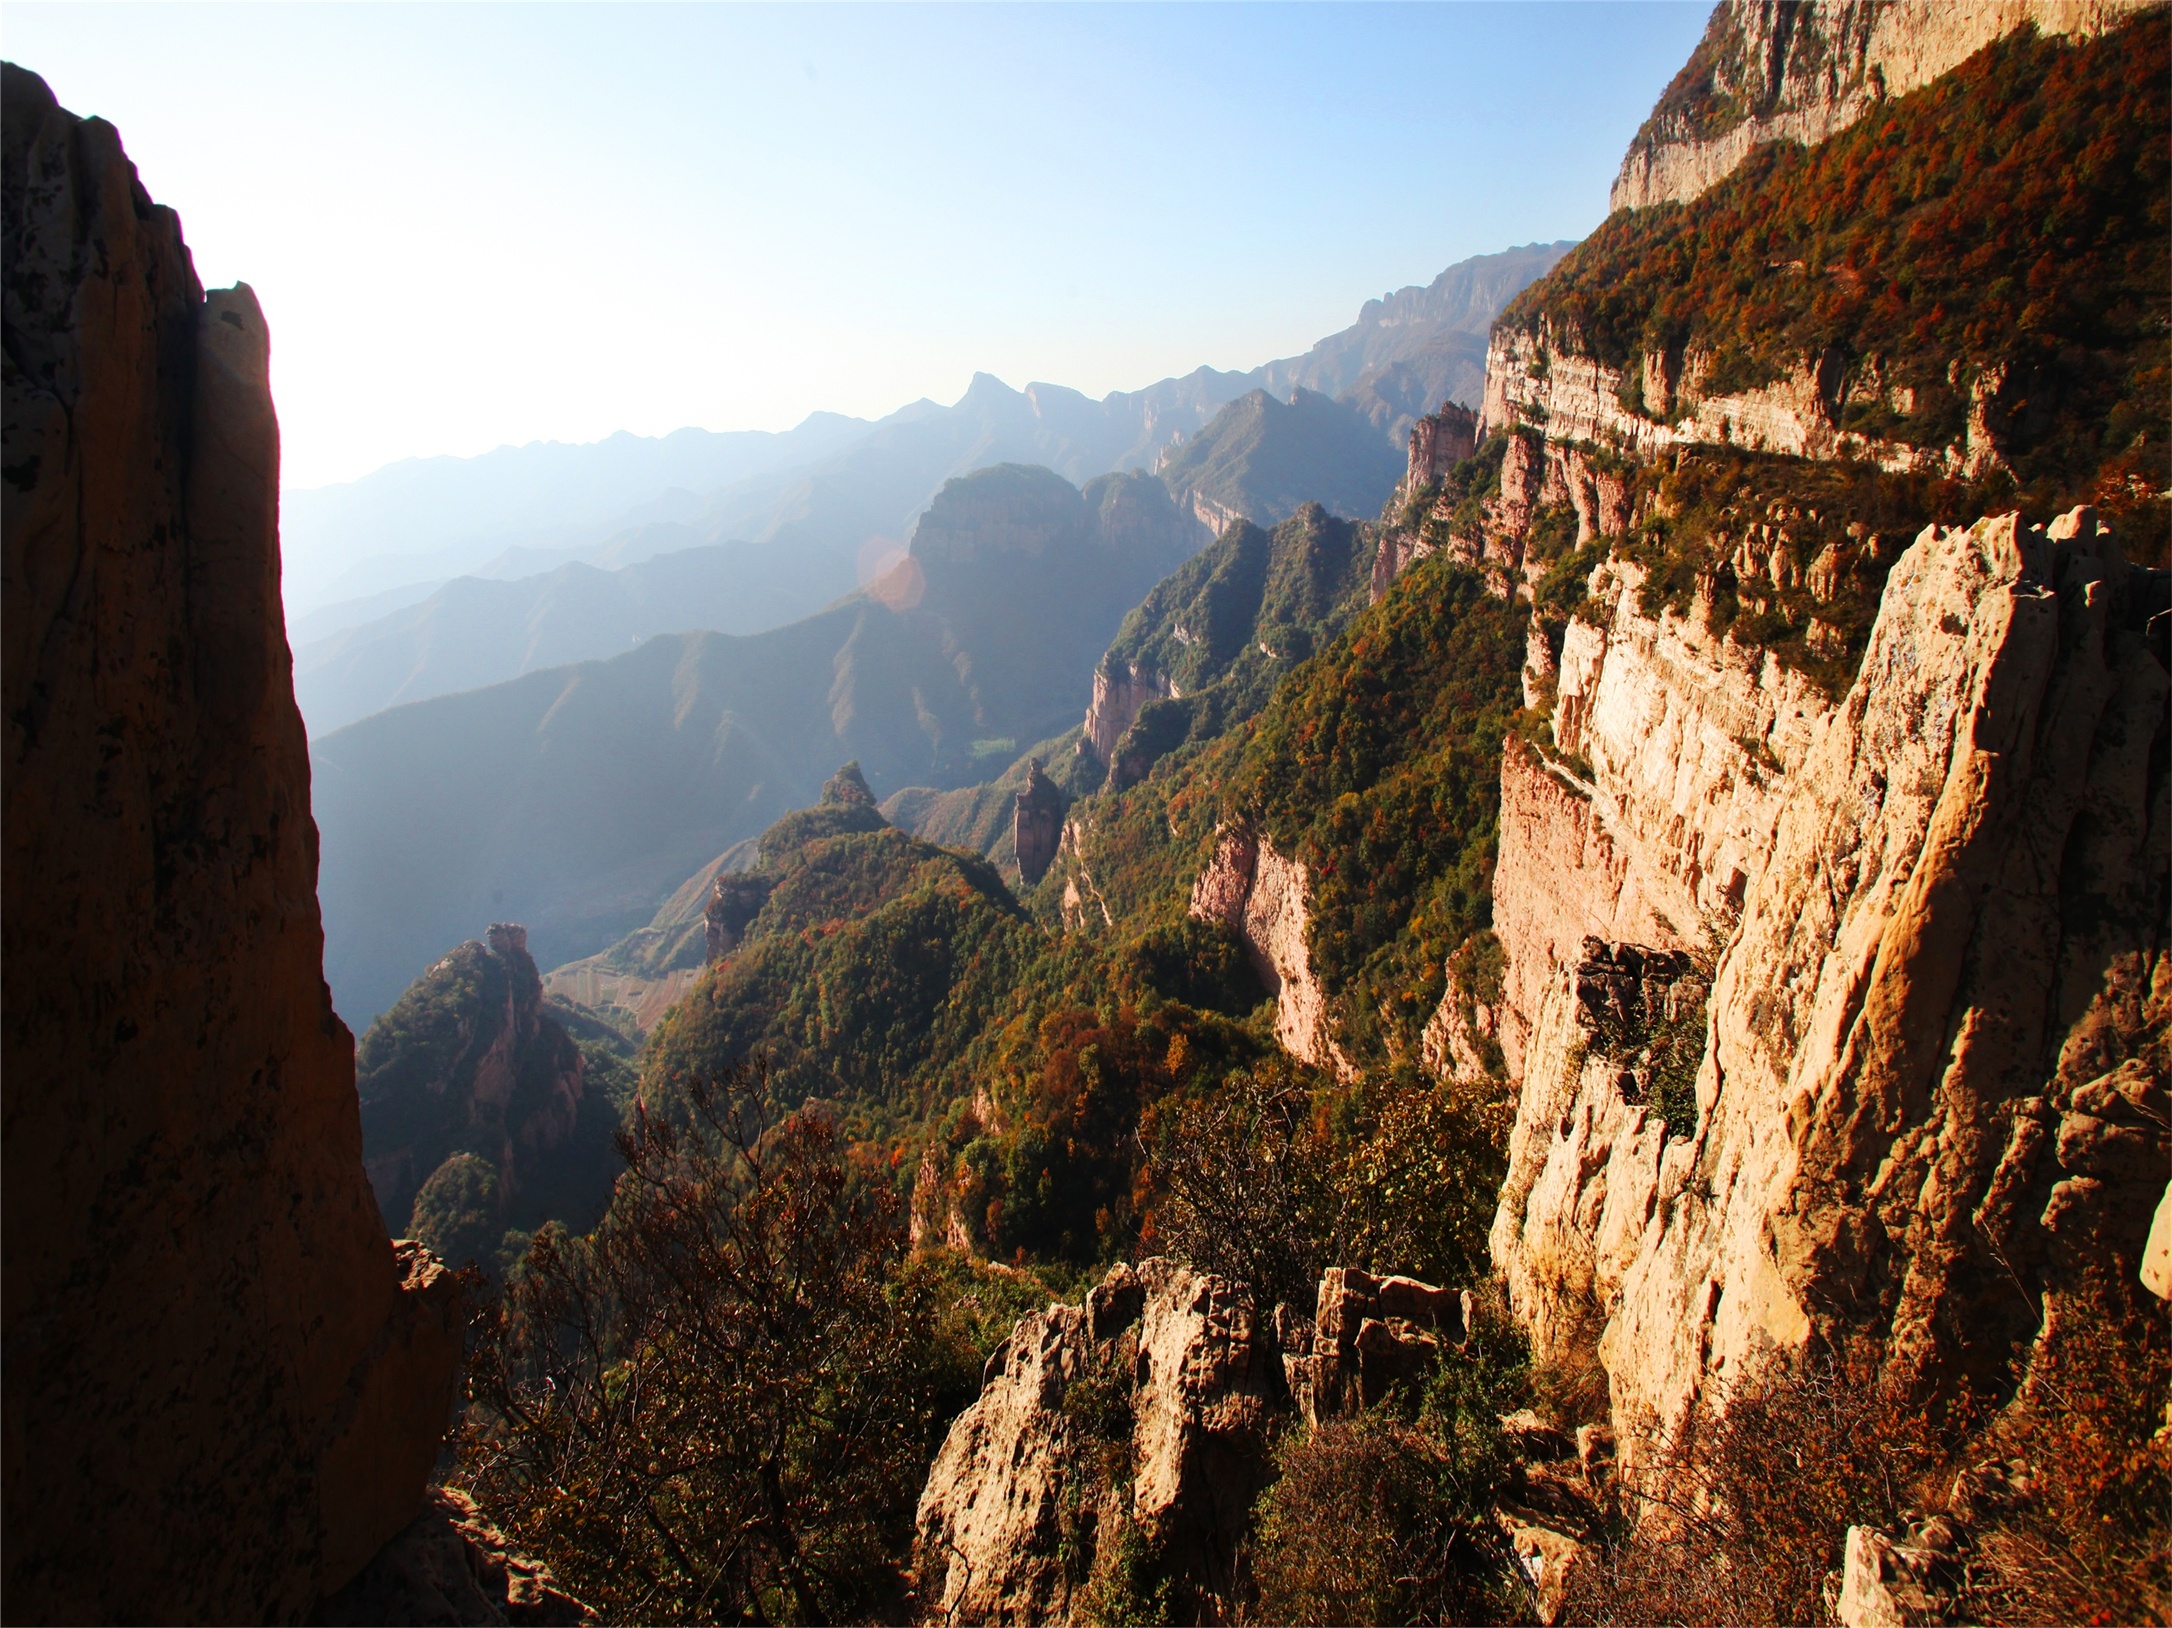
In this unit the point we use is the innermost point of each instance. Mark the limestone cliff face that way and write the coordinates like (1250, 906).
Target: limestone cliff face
(1534, 376)
(1120, 690)
(1438, 442)
(1802, 70)
(216, 1364)
(1261, 897)
(1932, 1070)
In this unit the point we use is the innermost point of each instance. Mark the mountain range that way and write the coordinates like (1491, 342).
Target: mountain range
(575, 799)
(437, 575)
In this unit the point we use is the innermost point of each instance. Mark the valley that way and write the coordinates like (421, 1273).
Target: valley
(1513, 970)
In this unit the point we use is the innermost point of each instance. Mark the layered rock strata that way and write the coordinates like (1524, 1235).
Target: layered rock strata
(1784, 70)
(1932, 1095)
(215, 1363)
(1260, 896)
(1535, 376)
(1536, 474)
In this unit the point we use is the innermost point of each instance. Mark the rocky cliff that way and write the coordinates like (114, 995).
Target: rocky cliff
(1261, 897)
(1803, 70)
(216, 1364)
(1929, 1095)
(477, 1110)
(1141, 1422)
(1036, 824)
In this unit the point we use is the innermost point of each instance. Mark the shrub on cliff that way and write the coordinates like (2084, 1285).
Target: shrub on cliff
(715, 1409)
(1279, 1172)
(1388, 1517)
(456, 1212)
(2061, 1498)
(2007, 228)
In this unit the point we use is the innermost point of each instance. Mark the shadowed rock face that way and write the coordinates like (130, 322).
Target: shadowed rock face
(215, 1363)
(1036, 824)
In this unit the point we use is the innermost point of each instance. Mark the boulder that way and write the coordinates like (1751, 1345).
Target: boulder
(1897, 1583)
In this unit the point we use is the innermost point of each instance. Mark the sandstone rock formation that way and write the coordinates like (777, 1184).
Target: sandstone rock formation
(1772, 70)
(224, 1387)
(1036, 824)
(451, 1565)
(1930, 1097)
(1260, 896)
(1366, 1336)
(1438, 442)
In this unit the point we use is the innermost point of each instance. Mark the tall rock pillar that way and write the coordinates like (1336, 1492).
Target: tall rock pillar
(223, 1387)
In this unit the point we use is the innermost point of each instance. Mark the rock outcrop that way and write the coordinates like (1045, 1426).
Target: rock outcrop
(1165, 1368)
(224, 1386)
(473, 1064)
(1036, 824)
(1933, 1091)
(1140, 1423)
(1261, 897)
(451, 1565)
(1367, 1335)
(1783, 70)
(735, 899)
(1906, 1583)
(1438, 442)
(1120, 690)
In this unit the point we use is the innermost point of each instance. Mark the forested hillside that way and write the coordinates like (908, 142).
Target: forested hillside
(1687, 884)
(575, 799)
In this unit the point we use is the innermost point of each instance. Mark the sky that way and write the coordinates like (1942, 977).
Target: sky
(488, 224)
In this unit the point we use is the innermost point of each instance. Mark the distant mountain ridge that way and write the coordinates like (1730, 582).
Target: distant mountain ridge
(796, 527)
(432, 518)
(575, 799)
(828, 485)
(1261, 460)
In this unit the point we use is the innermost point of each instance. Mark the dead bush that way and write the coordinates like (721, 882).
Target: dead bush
(2061, 1497)
(1743, 1517)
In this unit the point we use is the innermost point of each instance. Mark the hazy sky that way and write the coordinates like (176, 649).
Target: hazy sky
(485, 224)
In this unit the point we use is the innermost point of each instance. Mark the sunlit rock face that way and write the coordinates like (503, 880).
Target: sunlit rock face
(224, 1387)
(1773, 70)
(1929, 1075)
